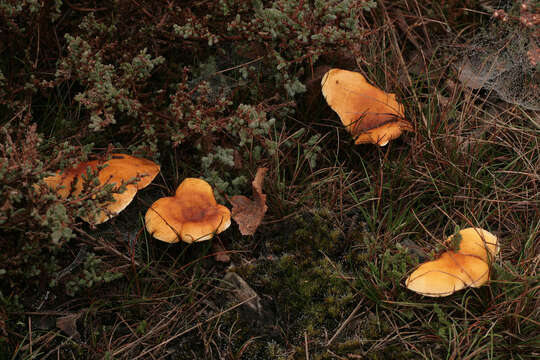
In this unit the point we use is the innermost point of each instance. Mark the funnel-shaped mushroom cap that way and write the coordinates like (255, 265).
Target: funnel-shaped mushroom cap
(192, 214)
(118, 170)
(476, 242)
(449, 273)
(369, 114)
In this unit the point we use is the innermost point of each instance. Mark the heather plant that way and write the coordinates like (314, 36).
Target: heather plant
(21, 168)
(108, 90)
(35, 222)
(30, 207)
(281, 27)
(92, 274)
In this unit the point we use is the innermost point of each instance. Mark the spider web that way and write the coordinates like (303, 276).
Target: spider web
(499, 62)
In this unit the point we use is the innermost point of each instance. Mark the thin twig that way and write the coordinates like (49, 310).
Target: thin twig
(78, 8)
(30, 334)
(238, 66)
(105, 245)
(306, 345)
(347, 321)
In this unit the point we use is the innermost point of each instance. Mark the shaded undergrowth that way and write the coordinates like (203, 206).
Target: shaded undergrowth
(323, 276)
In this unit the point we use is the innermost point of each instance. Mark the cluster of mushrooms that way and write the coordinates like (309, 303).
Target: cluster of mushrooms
(374, 116)
(192, 214)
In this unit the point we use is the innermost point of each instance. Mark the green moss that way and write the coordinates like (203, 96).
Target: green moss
(311, 234)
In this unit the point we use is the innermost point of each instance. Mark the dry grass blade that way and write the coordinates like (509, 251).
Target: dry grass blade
(190, 329)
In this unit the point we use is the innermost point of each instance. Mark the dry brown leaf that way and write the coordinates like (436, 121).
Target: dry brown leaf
(243, 292)
(220, 254)
(68, 324)
(247, 213)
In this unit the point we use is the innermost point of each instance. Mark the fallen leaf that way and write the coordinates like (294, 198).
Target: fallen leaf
(43, 322)
(68, 324)
(220, 254)
(249, 213)
(243, 292)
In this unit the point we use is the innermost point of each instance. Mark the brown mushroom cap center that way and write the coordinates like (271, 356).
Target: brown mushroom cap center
(197, 213)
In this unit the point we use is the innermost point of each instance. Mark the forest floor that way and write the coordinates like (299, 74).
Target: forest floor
(323, 277)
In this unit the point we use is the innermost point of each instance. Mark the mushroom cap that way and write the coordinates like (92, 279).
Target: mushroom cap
(449, 273)
(192, 214)
(476, 242)
(369, 114)
(118, 170)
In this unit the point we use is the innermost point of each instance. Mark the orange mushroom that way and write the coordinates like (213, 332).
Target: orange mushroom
(192, 214)
(120, 170)
(449, 273)
(466, 265)
(368, 113)
(475, 242)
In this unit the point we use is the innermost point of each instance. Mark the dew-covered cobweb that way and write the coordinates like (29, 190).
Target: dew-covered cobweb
(498, 61)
